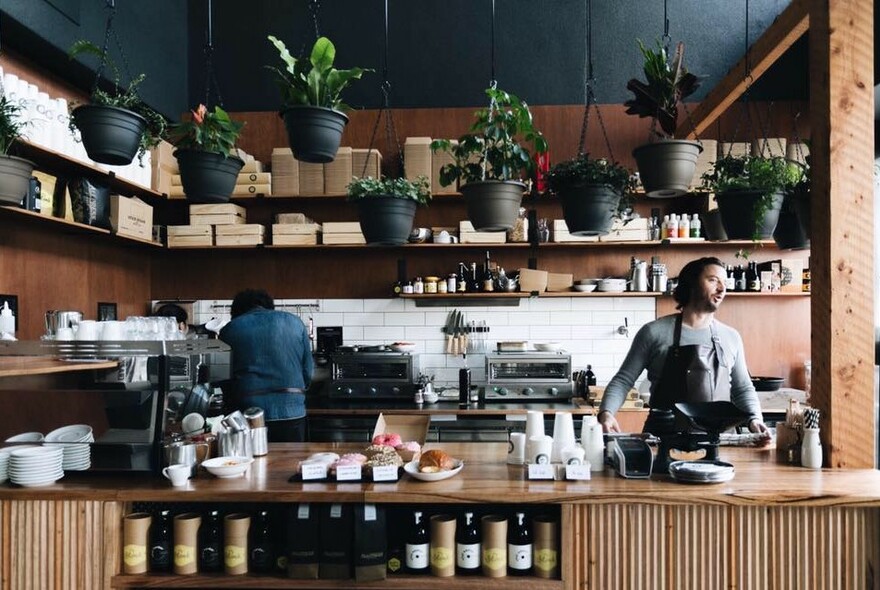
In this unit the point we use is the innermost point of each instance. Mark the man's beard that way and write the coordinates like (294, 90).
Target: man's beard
(704, 303)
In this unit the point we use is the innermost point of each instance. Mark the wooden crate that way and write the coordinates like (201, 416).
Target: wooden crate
(343, 232)
(294, 239)
(244, 229)
(359, 157)
(311, 179)
(248, 240)
(218, 219)
(467, 235)
(190, 235)
(417, 155)
(560, 234)
(208, 209)
(290, 229)
(251, 190)
(337, 174)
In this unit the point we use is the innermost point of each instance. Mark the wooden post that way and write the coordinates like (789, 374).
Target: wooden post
(842, 261)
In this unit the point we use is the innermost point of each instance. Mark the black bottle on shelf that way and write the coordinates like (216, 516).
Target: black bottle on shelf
(417, 547)
(161, 555)
(589, 380)
(467, 547)
(211, 543)
(519, 547)
(261, 555)
(739, 278)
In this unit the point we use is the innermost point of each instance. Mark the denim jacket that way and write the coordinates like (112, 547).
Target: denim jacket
(270, 351)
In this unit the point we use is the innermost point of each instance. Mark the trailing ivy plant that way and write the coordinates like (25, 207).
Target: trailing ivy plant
(417, 190)
(769, 176)
(498, 143)
(124, 97)
(314, 81)
(582, 170)
(11, 126)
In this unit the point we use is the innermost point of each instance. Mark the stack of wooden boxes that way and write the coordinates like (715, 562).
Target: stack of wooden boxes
(359, 159)
(337, 174)
(417, 155)
(216, 225)
(164, 167)
(291, 178)
(560, 233)
(294, 229)
(635, 230)
(468, 235)
(285, 173)
(343, 232)
(251, 182)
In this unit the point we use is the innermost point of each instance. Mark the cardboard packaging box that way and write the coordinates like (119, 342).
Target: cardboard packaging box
(337, 174)
(559, 281)
(311, 179)
(417, 155)
(533, 280)
(409, 427)
(359, 160)
(131, 217)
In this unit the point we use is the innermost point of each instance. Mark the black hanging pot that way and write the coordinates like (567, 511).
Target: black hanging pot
(111, 135)
(15, 175)
(712, 226)
(738, 214)
(386, 220)
(207, 177)
(789, 233)
(666, 167)
(314, 133)
(588, 209)
(493, 205)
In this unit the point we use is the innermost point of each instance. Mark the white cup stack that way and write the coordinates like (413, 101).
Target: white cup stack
(563, 435)
(534, 424)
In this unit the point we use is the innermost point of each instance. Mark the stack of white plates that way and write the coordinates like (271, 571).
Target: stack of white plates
(4, 464)
(37, 466)
(701, 471)
(76, 441)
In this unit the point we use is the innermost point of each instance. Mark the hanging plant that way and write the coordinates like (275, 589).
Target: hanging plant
(15, 173)
(149, 126)
(207, 131)
(387, 207)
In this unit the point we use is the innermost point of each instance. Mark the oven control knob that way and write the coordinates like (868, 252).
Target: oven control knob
(528, 391)
(502, 391)
(348, 391)
(554, 391)
(374, 391)
(395, 390)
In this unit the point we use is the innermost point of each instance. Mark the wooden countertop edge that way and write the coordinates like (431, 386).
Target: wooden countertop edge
(21, 366)
(486, 479)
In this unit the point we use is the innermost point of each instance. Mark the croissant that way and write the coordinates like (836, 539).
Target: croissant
(435, 460)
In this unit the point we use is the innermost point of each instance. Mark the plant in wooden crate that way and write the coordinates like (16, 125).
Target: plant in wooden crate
(312, 106)
(666, 165)
(15, 173)
(205, 154)
(492, 160)
(593, 192)
(116, 124)
(749, 192)
(386, 207)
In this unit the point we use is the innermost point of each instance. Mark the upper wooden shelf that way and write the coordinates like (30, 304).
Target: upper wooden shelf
(65, 225)
(56, 163)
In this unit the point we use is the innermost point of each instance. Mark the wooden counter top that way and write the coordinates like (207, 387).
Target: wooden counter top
(13, 366)
(486, 478)
(329, 407)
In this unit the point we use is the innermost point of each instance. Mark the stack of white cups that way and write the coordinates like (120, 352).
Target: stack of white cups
(593, 441)
(563, 435)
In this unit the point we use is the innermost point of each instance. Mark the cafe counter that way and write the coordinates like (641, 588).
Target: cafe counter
(772, 526)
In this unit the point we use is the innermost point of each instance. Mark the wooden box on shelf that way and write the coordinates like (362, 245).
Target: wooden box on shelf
(559, 281)
(417, 155)
(285, 173)
(295, 234)
(131, 217)
(343, 232)
(337, 174)
(533, 280)
(190, 235)
(560, 234)
(359, 160)
(635, 230)
(311, 179)
(467, 235)
(246, 234)
(219, 214)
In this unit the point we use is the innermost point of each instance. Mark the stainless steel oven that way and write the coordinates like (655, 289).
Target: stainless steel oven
(528, 376)
(373, 375)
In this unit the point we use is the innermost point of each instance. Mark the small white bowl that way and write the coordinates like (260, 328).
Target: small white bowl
(585, 287)
(26, 437)
(228, 467)
(587, 281)
(402, 347)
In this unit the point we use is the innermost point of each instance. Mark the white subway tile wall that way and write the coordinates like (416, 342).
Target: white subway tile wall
(587, 328)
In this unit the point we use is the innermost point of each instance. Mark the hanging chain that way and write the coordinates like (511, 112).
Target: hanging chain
(314, 7)
(798, 149)
(666, 38)
(210, 74)
(744, 99)
(493, 106)
(111, 12)
(589, 84)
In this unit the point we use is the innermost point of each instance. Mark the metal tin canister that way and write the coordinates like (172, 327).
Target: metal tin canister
(255, 417)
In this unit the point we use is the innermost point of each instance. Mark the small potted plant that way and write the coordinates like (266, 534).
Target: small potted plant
(205, 154)
(492, 160)
(117, 124)
(666, 165)
(749, 192)
(15, 173)
(386, 207)
(592, 191)
(311, 105)
(793, 229)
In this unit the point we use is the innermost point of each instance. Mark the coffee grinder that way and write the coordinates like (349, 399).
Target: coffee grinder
(699, 426)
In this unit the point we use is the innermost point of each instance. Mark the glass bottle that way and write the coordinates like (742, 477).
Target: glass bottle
(519, 547)
(467, 547)
(161, 556)
(261, 554)
(589, 379)
(754, 281)
(729, 281)
(739, 278)
(417, 547)
(211, 543)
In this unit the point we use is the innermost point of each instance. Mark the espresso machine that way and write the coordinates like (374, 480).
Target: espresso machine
(699, 426)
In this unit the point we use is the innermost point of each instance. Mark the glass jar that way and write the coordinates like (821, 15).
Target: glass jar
(451, 283)
(431, 284)
(418, 286)
(442, 287)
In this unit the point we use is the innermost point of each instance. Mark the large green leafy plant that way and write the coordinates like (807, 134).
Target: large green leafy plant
(585, 170)
(417, 190)
(313, 82)
(125, 97)
(496, 147)
(207, 131)
(668, 83)
(11, 125)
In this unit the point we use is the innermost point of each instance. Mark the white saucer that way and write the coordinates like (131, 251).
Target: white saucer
(70, 434)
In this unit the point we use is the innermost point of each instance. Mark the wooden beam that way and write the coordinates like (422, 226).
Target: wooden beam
(779, 36)
(842, 262)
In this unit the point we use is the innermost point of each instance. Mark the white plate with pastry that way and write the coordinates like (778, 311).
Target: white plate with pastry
(433, 465)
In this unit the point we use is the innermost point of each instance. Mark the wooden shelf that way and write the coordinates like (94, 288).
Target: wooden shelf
(21, 366)
(400, 582)
(65, 225)
(449, 299)
(56, 163)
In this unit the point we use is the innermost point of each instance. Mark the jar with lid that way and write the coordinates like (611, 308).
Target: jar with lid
(408, 289)
(442, 287)
(658, 277)
(451, 283)
(418, 286)
(431, 284)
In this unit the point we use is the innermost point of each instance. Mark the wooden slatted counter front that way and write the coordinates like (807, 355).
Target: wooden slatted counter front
(772, 526)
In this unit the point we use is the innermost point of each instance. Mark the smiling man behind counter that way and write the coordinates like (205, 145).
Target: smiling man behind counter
(271, 363)
(690, 356)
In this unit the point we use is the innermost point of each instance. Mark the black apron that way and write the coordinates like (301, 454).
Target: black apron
(693, 373)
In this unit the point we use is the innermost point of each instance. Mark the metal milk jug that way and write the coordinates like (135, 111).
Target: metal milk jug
(638, 275)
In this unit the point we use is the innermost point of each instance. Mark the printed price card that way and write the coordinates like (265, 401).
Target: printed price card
(385, 473)
(540, 471)
(577, 472)
(314, 471)
(348, 472)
